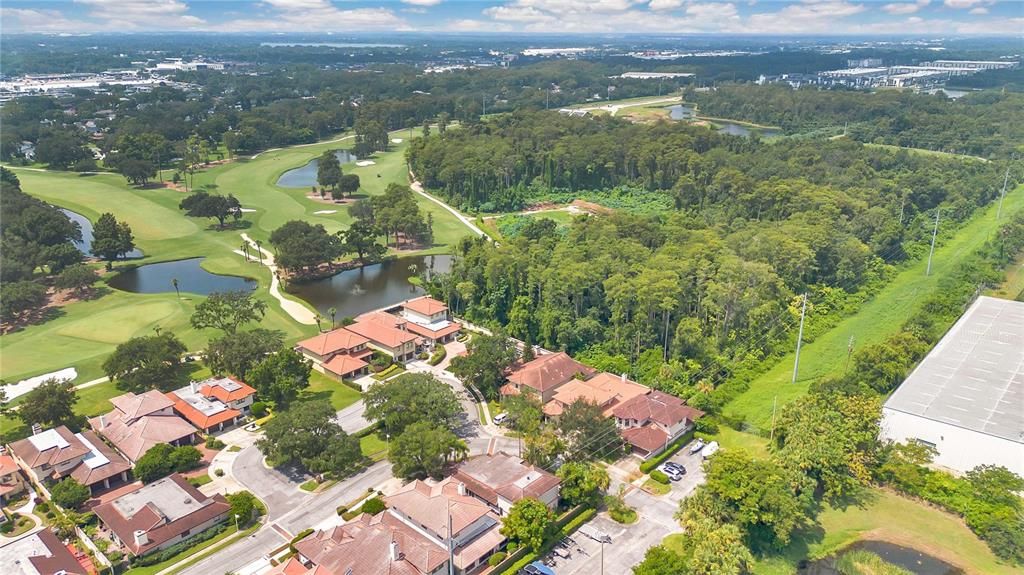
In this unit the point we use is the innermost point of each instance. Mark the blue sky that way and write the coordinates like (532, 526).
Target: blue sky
(777, 17)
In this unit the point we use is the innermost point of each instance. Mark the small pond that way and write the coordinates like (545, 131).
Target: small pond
(734, 129)
(84, 245)
(192, 278)
(357, 291)
(912, 560)
(680, 112)
(305, 177)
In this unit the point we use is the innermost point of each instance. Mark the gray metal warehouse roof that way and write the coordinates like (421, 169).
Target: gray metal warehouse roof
(974, 377)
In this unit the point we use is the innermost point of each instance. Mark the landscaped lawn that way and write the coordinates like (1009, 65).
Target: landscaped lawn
(156, 568)
(876, 319)
(730, 438)
(323, 387)
(373, 444)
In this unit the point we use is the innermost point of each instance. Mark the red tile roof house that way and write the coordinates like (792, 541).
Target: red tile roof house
(57, 453)
(387, 333)
(161, 514)
(545, 374)
(429, 319)
(138, 422)
(213, 404)
(339, 353)
(11, 483)
(651, 422)
(368, 545)
(501, 479)
(39, 554)
(604, 390)
(430, 508)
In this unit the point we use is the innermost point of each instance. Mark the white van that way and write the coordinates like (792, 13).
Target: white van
(500, 419)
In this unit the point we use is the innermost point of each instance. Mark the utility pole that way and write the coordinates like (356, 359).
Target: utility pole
(775, 403)
(849, 352)
(800, 338)
(935, 232)
(483, 100)
(451, 542)
(1002, 194)
(547, 98)
(602, 556)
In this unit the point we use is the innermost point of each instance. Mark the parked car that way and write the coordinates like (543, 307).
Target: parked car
(676, 466)
(697, 446)
(710, 449)
(670, 471)
(537, 568)
(500, 419)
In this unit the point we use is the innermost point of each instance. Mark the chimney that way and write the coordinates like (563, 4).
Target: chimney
(36, 429)
(103, 422)
(393, 551)
(140, 538)
(192, 385)
(462, 489)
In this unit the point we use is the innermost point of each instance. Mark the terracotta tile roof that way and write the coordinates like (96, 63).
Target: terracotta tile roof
(549, 371)
(648, 437)
(335, 341)
(89, 473)
(7, 465)
(604, 390)
(136, 437)
(433, 333)
(380, 333)
(198, 418)
(488, 476)
(425, 305)
(509, 389)
(133, 406)
(659, 407)
(58, 560)
(383, 318)
(344, 364)
(225, 389)
(429, 505)
(364, 545)
(53, 447)
(163, 509)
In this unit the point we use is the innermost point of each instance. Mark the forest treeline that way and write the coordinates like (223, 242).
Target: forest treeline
(987, 124)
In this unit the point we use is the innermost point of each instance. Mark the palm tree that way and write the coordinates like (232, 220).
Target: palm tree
(174, 282)
(332, 312)
(317, 317)
(259, 251)
(245, 250)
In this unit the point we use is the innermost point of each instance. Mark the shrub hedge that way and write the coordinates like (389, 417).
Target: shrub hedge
(659, 477)
(568, 523)
(657, 460)
(438, 355)
(165, 554)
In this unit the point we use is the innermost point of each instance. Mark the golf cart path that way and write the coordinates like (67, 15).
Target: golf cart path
(299, 312)
(418, 188)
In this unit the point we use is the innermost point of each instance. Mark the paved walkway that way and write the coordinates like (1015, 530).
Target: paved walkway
(418, 188)
(299, 312)
(614, 108)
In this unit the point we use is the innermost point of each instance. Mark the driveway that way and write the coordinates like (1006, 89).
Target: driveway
(629, 543)
(278, 488)
(694, 475)
(351, 418)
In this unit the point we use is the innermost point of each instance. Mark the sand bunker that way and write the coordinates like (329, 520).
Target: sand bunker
(321, 212)
(365, 163)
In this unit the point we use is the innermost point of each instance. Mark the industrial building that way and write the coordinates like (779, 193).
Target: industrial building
(966, 398)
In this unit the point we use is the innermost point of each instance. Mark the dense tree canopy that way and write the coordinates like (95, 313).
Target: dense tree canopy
(236, 353)
(203, 204)
(280, 377)
(50, 404)
(308, 434)
(111, 239)
(425, 449)
(35, 235)
(301, 246)
(145, 362)
(410, 398)
(227, 311)
(484, 365)
(529, 523)
(163, 459)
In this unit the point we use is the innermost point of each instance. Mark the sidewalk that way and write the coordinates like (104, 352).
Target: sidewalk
(225, 460)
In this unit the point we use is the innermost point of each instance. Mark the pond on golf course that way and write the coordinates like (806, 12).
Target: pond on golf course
(356, 291)
(192, 278)
(910, 559)
(305, 176)
(86, 243)
(733, 129)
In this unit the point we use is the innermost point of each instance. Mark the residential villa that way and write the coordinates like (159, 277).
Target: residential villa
(545, 374)
(58, 453)
(651, 422)
(368, 545)
(429, 319)
(436, 510)
(604, 390)
(160, 514)
(387, 333)
(11, 482)
(41, 553)
(138, 422)
(501, 479)
(213, 404)
(339, 353)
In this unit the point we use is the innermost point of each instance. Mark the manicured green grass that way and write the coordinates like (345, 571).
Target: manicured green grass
(731, 439)
(657, 488)
(1013, 285)
(674, 542)
(888, 517)
(876, 320)
(200, 480)
(374, 446)
(924, 151)
(310, 485)
(322, 387)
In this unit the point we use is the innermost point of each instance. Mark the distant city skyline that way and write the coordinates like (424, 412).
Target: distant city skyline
(777, 17)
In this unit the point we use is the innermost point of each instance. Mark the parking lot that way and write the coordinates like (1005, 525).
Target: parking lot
(629, 542)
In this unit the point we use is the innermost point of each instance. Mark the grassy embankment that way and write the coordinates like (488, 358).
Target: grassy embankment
(877, 319)
(85, 333)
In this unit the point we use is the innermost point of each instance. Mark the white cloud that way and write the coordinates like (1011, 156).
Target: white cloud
(661, 5)
(40, 21)
(905, 7)
(142, 14)
(959, 4)
(989, 26)
(809, 17)
(422, 2)
(470, 25)
(978, 10)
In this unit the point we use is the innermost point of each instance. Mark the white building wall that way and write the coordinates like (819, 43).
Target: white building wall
(959, 449)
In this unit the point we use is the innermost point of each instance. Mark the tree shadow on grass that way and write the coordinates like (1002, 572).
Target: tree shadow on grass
(230, 226)
(32, 318)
